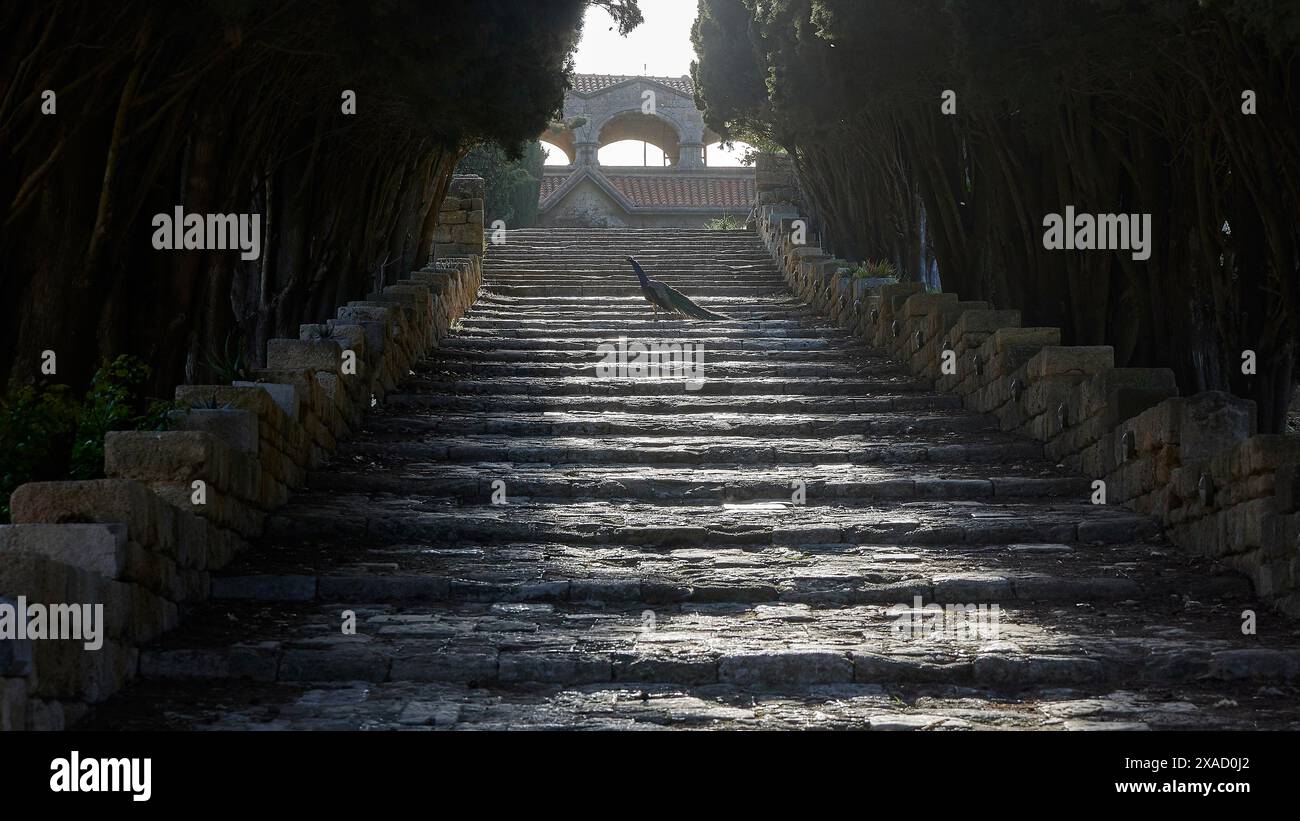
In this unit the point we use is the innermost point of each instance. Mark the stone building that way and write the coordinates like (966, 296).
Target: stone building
(601, 109)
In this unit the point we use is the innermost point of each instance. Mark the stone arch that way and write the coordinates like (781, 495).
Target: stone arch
(661, 132)
(616, 111)
(554, 148)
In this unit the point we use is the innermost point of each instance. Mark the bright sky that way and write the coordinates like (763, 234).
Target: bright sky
(661, 47)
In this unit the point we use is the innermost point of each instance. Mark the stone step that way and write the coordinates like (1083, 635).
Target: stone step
(585, 352)
(868, 575)
(702, 268)
(670, 405)
(600, 525)
(244, 705)
(618, 423)
(642, 328)
(626, 324)
(684, 281)
(514, 310)
(578, 386)
(597, 283)
(696, 365)
(907, 450)
(634, 301)
(653, 264)
(698, 271)
(696, 293)
(476, 484)
(486, 341)
(753, 646)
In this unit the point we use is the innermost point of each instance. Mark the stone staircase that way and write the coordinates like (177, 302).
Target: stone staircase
(742, 555)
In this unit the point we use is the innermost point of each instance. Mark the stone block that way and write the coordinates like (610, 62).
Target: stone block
(102, 501)
(285, 396)
(298, 354)
(236, 428)
(1071, 362)
(172, 456)
(1004, 339)
(922, 304)
(1212, 421)
(95, 548)
(785, 667)
(984, 322)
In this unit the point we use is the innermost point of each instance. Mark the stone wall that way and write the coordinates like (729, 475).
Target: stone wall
(180, 504)
(774, 179)
(460, 220)
(1196, 463)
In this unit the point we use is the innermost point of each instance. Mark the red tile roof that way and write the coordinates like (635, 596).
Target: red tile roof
(685, 190)
(587, 84)
(550, 184)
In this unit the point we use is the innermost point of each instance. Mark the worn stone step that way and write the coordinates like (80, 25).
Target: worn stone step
(671, 405)
(489, 341)
(502, 353)
(511, 311)
(772, 338)
(865, 574)
(701, 294)
(904, 451)
(678, 275)
(665, 526)
(684, 274)
(723, 386)
(634, 302)
(693, 364)
(754, 646)
(476, 484)
(613, 423)
(627, 326)
(244, 705)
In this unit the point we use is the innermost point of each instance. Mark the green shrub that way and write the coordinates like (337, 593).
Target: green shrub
(46, 434)
(727, 222)
(37, 429)
(879, 269)
(229, 364)
(512, 184)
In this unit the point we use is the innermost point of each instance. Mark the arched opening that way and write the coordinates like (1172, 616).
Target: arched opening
(657, 141)
(717, 155)
(631, 153)
(554, 154)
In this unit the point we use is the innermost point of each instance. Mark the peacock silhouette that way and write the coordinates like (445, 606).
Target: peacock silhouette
(661, 295)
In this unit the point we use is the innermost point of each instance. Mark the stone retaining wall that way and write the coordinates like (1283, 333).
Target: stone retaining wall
(180, 504)
(460, 221)
(1194, 463)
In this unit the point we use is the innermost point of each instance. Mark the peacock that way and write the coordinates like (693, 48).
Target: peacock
(660, 295)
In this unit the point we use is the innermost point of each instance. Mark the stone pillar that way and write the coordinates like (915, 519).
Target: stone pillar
(459, 231)
(691, 155)
(584, 153)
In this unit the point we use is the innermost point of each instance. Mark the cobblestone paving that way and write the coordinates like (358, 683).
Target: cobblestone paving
(650, 567)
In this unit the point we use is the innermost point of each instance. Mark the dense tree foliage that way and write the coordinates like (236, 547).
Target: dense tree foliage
(512, 185)
(1112, 106)
(225, 106)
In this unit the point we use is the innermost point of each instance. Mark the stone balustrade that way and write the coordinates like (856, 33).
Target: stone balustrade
(1195, 464)
(182, 503)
